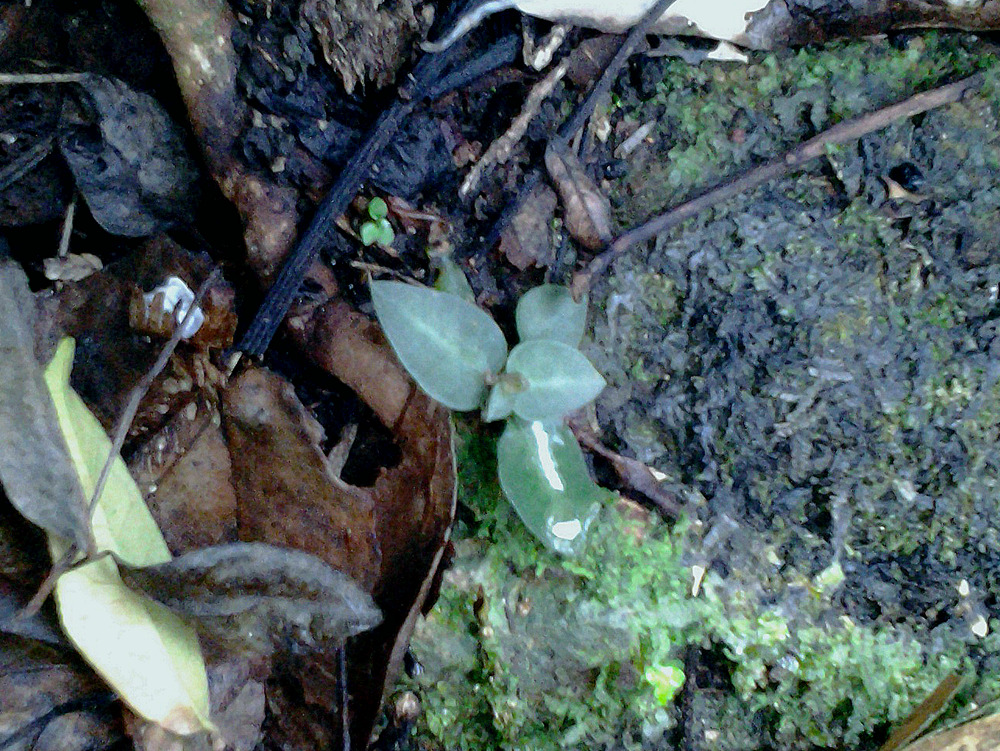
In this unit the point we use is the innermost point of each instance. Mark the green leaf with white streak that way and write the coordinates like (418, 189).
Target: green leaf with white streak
(545, 478)
(447, 344)
(145, 653)
(558, 379)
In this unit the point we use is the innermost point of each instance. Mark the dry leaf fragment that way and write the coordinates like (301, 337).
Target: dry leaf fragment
(72, 267)
(415, 500)
(260, 595)
(978, 735)
(35, 465)
(526, 240)
(133, 168)
(186, 473)
(587, 209)
(721, 19)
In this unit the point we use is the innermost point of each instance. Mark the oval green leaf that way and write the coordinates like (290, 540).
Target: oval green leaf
(446, 343)
(545, 478)
(378, 209)
(368, 233)
(560, 379)
(550, 312)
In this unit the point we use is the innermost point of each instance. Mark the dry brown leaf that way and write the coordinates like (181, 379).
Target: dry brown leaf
(415, 500)
(587, 211)
(526, 241)
(185, 474)
(285, 493)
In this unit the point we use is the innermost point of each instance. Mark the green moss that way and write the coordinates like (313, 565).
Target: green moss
(783, 97)
(819, 348)
(529, 651)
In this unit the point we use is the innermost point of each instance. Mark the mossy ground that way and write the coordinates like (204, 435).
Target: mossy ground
(814, 366)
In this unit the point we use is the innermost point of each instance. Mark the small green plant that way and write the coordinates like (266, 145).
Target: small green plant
(377, 229)
(458, 355)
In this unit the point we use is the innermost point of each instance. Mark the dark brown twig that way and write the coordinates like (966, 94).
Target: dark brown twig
(633, 474)
(609, 75)
(925, 713)
(845, 132)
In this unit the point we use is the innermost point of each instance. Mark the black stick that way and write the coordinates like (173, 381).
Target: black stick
(281, 294)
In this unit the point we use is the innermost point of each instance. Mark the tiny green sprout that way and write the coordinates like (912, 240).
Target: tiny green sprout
(666, 680)
(459, 356)
(377, 229)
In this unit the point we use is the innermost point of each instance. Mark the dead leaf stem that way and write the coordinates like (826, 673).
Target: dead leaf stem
(124, 421)
(841, 133)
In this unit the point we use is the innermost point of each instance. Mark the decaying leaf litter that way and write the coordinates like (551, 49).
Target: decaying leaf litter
(719, 351)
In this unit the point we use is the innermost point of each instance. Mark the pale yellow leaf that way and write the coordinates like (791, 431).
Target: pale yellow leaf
(145, 652)
(122, 522)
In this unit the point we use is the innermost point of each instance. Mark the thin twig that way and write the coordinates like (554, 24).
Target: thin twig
(633, 474)
(845, 132)
(10, 79)
(135, 397)
(501, 149)
(59, 567)
(610, 74)
(19, 167)
(67, 228)
(924, 713)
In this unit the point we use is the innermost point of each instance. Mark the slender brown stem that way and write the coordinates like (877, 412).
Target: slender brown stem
(845, 132)
(135, 397)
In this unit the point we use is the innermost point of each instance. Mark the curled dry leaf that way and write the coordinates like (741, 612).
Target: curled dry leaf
(587, 210)
(35, 465)
(260, 596)
(759, 24)
(722, 19)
